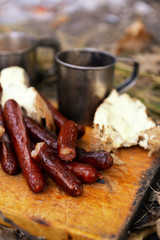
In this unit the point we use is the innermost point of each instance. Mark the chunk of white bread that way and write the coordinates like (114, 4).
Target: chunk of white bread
(122, 121)
(15, 84)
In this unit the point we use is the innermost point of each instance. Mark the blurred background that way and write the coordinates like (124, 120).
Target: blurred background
(97, 23)
(128, 28)
(123, 27)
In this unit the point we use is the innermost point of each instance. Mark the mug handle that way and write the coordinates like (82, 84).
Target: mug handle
(129, 82)
(55, 46)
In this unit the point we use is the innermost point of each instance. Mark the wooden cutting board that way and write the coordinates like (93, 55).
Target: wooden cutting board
(103, 211)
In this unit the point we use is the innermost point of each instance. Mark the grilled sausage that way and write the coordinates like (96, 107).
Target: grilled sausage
(100, 159)
(86, 173)
(19, 138)
(67, 139)
(50, 162)
(39, 133)
(8, 158)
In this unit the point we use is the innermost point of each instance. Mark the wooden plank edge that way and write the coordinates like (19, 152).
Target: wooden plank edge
(54, 232)
(9, 223)
(150, 179)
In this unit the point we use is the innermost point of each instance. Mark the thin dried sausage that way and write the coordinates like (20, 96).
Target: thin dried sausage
(100, 159)
(8, 158)
(50, 162)
(19, 138)
(86, 173)
(39, 133)
(67, 139)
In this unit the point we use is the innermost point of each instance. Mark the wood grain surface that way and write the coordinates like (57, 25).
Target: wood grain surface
(103, 211)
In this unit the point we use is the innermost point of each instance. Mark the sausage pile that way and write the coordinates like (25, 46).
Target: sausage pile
(29, 146)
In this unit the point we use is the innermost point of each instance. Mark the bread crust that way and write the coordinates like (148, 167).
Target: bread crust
(14, 82)
(43, 112)
(113, 129)
(2, 131)
(153, 140)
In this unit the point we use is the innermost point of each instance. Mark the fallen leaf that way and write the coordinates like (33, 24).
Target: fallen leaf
(136, 38)
(141, 235)
(158, 227)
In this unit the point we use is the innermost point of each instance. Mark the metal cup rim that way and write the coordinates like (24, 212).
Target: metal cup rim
(83, 67)
(19, 51)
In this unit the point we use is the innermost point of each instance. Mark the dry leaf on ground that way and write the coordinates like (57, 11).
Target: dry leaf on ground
(136, 38)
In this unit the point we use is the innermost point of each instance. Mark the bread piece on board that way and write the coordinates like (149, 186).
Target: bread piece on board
(153, 140)
(14, 82)
(122, 121)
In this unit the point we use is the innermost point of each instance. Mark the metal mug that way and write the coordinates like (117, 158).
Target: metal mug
(19, 49)
(85, 78)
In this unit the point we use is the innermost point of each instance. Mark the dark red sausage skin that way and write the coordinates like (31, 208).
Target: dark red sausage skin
(19, 138)
(100, 159)
(56, 169)
(60, 119)
(39, 133)
(67, 139)
(8, 158)
(86, 173)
